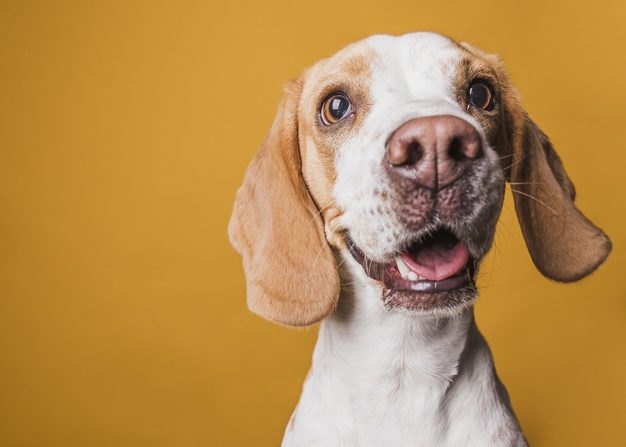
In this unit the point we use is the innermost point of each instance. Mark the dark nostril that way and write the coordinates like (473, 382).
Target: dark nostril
(405, 154)
(464, 148)
(456, 150)
(414, 154)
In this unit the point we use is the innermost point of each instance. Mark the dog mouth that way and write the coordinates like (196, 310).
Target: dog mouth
(436, 271)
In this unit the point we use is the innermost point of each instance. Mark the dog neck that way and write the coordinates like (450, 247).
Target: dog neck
(376, 347)
(402, 377)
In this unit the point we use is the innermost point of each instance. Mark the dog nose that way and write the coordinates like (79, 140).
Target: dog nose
(433, 151)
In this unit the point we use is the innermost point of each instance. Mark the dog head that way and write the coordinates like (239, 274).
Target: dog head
(394, 153)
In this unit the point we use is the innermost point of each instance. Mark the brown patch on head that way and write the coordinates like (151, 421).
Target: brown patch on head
(564, 245)
(291, 274)
(284, 213)
(348, 72)
(475, 65)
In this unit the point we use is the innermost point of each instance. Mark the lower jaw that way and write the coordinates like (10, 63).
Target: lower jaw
(445, 303)
(446, 297)
(438, 298)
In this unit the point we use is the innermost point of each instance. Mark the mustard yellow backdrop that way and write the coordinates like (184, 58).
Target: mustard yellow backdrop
(125, 129)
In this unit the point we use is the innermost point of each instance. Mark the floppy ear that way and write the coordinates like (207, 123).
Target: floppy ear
(291, 274)
(564, 245)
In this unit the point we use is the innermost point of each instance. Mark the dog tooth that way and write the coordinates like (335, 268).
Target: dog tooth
(402, 268)
(412, 276)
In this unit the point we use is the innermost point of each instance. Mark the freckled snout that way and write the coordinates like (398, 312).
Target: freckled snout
(434, 151)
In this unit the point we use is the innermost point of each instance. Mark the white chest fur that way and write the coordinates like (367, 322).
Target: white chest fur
(393, 379)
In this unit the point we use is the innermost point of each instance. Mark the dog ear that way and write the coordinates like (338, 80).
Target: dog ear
(291, 274)
(564, 245)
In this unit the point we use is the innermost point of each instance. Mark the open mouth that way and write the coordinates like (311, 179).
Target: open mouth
(437, 263)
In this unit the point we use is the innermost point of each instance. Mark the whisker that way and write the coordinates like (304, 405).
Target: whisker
(318, 255)
(341, 263)
(356, 281)
(318, 213)
(515, 162)
(534, 198)
(332, 230)
(496, 253)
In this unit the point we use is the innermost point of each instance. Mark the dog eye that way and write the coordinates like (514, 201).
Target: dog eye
(480, 95)
(335, 108)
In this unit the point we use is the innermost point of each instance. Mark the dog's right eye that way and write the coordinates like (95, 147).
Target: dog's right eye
(335, 108)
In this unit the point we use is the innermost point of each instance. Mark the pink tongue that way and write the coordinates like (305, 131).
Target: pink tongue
(436, 262)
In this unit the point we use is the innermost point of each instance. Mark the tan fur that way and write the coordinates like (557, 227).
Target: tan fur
(473, 66)
(319, 145)
(285, 219)
(282, 232)
(291, 275)
(564, 245)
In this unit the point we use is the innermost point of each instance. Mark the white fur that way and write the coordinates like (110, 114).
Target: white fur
(401, 91)
(394, 379)
(389, 377)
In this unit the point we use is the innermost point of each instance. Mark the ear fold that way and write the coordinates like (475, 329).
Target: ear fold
(291, 274)
(564, 245)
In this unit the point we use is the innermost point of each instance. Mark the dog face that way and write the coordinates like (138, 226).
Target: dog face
(394, 152)
(415, 185)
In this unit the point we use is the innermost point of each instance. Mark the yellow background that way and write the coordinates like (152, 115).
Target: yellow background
(125, 129)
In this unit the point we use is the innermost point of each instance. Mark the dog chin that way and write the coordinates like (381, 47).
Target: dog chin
(435, 304)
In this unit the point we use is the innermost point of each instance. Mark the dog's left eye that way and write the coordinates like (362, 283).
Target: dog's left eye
(480, 95)
(335, 108)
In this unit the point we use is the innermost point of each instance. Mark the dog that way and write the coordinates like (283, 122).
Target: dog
(370, 206)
